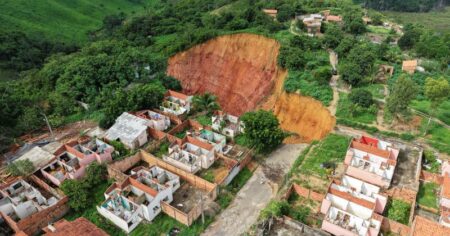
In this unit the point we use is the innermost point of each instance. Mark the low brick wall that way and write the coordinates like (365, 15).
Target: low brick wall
(431, 177)
(307, 230)
(116, 169)
(307, 192)
(392, 226)
(195, 181)
(403, 194)
(33, 224)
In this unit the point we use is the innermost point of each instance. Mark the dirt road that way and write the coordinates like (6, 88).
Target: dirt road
(254, 196)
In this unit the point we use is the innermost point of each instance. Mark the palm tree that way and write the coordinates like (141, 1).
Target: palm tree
(206, 102)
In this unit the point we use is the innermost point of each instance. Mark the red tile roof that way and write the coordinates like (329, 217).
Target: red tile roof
(270, 11)
(334, 18)
(425, 227)
(143, 187)
(176, 94)
(80, 226)
(198, 143)
(370, 149)
(351, 198)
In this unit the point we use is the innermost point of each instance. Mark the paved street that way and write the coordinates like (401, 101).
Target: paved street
(256, 194)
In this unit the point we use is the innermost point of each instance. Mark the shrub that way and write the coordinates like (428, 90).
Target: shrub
(275, 209)
(20, 168)
(399, 211)
(361, 97)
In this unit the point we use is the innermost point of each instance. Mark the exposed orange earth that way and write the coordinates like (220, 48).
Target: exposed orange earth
(241, 70)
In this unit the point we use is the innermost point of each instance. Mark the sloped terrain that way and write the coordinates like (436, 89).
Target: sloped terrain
(242, 71)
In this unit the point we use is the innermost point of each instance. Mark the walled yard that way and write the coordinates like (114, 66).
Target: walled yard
(188, 197)
(408, 167)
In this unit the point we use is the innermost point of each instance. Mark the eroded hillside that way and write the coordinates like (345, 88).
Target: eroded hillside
(242, 71)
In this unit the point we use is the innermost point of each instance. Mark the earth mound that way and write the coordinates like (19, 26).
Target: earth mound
(241, 70)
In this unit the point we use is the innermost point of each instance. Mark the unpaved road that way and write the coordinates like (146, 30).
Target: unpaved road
(257, 192)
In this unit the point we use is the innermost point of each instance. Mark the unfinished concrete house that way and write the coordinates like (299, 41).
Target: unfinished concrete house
(130, 130)
(190, 154)
(444, 201)
(176, 103)
(138, 197)
(227, 124)
(372, 161)
(271, 12)
(38, 156)
(155, 120)
(313, 23)
(351, 208)
(207, 136)
(73, 159)
(28, 205)
(409, 66)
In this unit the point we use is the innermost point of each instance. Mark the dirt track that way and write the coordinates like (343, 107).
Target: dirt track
(242, 70)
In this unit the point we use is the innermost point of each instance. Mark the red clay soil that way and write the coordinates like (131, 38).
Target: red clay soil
(241, 70)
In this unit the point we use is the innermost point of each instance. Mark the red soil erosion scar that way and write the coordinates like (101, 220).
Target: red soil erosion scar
(241, 70)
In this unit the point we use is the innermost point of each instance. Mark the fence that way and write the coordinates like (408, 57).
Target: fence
(388, 225)
(431, 177)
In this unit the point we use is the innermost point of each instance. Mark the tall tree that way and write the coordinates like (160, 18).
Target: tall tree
(401, 95)
(262, 129)
(206, 102)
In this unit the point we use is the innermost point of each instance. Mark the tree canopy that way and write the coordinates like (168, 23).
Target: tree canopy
(262, 129)
(401, 95)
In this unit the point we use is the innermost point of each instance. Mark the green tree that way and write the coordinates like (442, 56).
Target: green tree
(398, 210)
(285, 13)
(95, 174)
(437, 90)
(401, 95)
(333, 36)
(206, 102)
(20, 168)
(262, 129)
(351, 73)
(361, 97)
(411, 35)
(78, 193)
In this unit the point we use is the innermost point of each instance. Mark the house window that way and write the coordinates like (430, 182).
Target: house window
(155, 209)
(166, 199)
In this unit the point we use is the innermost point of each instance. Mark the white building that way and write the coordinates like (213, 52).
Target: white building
(190, 154)
(227, 124)
(138, 197)
(372, 161)
(217, 140)
(352, 211)
(176, 103)
(20, 200)
(155, 120)
(130, 130)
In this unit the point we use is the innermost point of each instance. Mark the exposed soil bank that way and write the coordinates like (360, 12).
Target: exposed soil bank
(242, 71)
(239, 69)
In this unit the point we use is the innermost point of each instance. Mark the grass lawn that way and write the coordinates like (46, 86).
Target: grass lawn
(204, 120)
(308, 87)
(437, 136)
(398, 210)
(377, 90)
(343, 111)
(442, 112)
(427, 195)
(378, 30)
(63, 20)
(331, 149)
(437, 20)
(163, 149)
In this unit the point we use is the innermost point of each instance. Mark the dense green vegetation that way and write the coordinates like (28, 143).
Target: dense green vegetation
(427, 195)
(262, 130)
(398, 210)
(61, 20)
(347, 109)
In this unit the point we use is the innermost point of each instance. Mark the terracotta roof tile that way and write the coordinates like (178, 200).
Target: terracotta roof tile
(351, 198)
(177, 94)
(80, 226)
(370, 149)
(143, 187)
(199, 143)
(426, 227)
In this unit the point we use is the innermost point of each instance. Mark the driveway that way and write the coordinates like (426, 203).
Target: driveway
(243, 212)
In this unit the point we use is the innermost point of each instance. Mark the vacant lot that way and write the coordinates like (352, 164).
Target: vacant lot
(427, 195)
(437, 20)
(330, 150)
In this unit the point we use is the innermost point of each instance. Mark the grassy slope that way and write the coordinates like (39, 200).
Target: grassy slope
(61, 20)
(437, 20)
